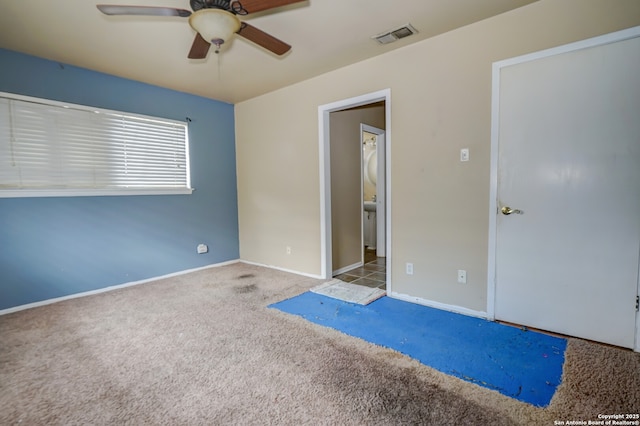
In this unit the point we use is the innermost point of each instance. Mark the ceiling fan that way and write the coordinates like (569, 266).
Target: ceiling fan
(215, 21)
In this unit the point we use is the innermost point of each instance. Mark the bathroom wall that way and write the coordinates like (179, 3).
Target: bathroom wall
(369, 188)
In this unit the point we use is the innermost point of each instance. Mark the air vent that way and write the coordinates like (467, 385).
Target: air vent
(395, 34)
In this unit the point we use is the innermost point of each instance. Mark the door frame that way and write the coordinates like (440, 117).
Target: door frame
(324, 119)
(381, 192)
(495, 111)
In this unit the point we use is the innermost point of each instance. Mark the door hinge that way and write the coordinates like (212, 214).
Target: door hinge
(637, 303)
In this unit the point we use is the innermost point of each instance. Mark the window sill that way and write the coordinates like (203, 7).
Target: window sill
(35, 193)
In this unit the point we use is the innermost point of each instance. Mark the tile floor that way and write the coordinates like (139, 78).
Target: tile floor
(371, 274)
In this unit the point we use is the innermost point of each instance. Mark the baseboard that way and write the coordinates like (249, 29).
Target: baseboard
(437, 305)
(347, 268)
(291, 271)
(111, 288)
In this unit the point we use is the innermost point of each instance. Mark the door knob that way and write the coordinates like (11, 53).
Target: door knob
(508, 210)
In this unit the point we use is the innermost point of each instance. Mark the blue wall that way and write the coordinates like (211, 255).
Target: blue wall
(56, 246)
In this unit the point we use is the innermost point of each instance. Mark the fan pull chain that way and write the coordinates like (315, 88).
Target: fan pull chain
(219, 63)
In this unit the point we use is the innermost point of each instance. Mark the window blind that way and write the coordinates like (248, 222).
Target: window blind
(54, 147)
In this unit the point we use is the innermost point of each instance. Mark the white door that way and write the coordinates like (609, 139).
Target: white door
(381, 191)
(569, 168)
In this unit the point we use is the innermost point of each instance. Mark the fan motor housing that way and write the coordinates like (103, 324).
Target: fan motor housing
(211, 4)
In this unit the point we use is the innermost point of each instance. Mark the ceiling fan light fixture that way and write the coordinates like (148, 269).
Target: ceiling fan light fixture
(214, 25)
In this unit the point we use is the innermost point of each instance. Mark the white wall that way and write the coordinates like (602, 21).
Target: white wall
(441, 102)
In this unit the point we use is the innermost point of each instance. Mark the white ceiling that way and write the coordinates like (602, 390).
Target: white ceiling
(325, 35)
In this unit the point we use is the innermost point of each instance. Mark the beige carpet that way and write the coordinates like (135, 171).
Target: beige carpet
(203, 349)
(348, 292)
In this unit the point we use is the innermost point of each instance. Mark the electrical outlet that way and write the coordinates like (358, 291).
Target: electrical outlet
(464, 154)
(462, 276)
(409, 268)
(202, 248)
(288, 250)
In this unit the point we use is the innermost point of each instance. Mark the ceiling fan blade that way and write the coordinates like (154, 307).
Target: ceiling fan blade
(110, 9)
(199, 48)
(263, 39)
(252, 6)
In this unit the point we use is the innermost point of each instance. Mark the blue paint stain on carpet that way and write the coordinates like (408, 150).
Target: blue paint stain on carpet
(524, 365)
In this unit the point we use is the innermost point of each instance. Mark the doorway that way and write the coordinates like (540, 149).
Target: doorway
(327, 209)
(566, 190)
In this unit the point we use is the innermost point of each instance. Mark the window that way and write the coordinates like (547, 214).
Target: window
(54, 149)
